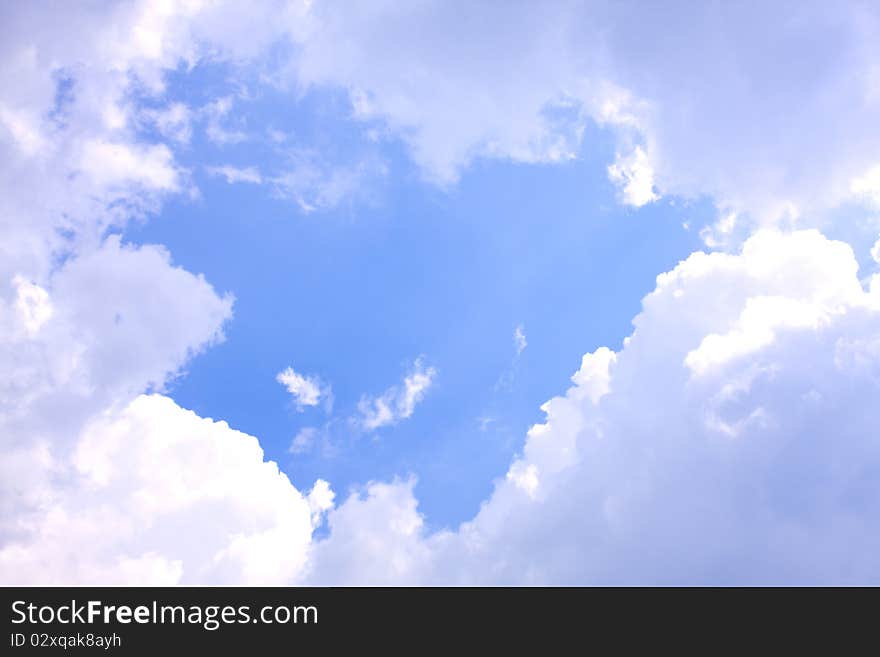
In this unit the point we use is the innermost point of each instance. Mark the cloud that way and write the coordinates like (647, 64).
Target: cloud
(634, 177)
(33, 305)
(88, 322)
(306, 390)
(216, 114)
(755, 467)
(357, 546)
(730, 439)
(317, 184)
(867, 186)
(174, 121)
(505, 381)
(450, 105)
(397, 402)
(113, 164)
(737, 113)
(303, 441)
(154, 494)
(519, 339)
(237, 174)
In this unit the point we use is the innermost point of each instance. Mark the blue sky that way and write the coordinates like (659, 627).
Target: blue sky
(439, 293)
(354, 293)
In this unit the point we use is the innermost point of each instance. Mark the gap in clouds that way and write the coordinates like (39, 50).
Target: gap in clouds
(354, 292)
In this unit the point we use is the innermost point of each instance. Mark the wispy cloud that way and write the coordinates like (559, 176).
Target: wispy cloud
(217, 129)
(397, 402)
(306, 390)
(519, 339)
(234, 174)
(316, 183)
(505, 381)
(303, 441)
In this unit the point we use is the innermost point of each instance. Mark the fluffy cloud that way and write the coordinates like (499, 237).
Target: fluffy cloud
(736, 114)
(493, 94)
(634, 176)
(377, 535)
(87, 323)
(681, 458)
(731, 101)
(867, 186)
(156, 495)
(731, 439)
(397, 402)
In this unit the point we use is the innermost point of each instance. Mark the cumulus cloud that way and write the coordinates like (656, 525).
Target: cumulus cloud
(88, 322)
(377, 526)
(867, 186)
(730, 439)
(728, 101)
(32, 303)
(397, 402)
(755, 467)
(154, 494)
(493, 95)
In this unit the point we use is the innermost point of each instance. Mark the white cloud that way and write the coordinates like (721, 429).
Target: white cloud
(505, 381)
(237, 174)
(314, 183)
(867, 186)
(87, 322)
(111, 164)
(173, 122)
(525, 477)
(320, 500)
(398, 402)
(758, 470)
(216, 115)
(154, 494)
(730, 439)
(32, 303)
(498, 93)
(306, 390)
(634, 177)
(519, 339)
(317, 184)
(358, 548)
(303, 441)
(738, 113)
(726, 116)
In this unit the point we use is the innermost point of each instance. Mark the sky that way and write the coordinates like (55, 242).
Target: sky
(353, 295)
(387, 293)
